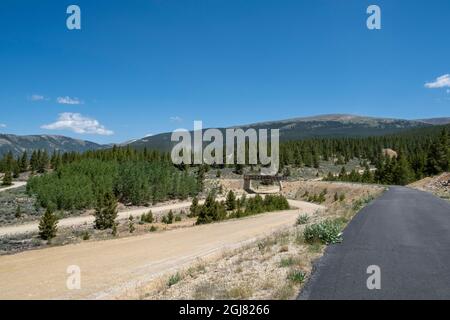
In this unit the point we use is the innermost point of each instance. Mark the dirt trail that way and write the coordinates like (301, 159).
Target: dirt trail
(16, 184)
(77, 221)
(109, 268)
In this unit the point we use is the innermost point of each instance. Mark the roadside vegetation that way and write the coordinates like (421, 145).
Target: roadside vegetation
(213, 210)
(272, 267)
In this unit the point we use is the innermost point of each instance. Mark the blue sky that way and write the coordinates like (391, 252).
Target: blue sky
(144, 67)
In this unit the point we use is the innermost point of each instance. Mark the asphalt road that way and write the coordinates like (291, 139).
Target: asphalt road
(406, 233)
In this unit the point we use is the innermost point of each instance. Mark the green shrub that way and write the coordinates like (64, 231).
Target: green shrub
(287, 262)
(147, 217)
(178, 218)
(326, 232)
(296, 276)
(153, 229)
(86, 236)
(174, 279)
(302, 219)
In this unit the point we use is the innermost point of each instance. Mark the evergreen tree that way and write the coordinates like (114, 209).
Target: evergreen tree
(48, 225)
(231, 201)
(34, 161)
(403, 173)
(16, 171)
(106, 212)
(131, 227)
(436, 158)
(147, 217)
(18, 213)
(194, 207)
(7, 179)
(170, 217)
(43, 161)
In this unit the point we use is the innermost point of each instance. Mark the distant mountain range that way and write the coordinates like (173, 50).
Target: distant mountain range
(436, 121)
(331, 125)
(19, 144)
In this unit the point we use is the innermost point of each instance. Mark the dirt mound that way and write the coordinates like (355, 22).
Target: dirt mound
(389, 153)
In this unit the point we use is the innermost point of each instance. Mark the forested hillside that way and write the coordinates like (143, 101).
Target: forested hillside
(420, 152)
(139, 177)
(79, 181)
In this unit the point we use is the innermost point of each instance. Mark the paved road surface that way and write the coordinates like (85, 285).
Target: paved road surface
(110, 267)
(406, 233)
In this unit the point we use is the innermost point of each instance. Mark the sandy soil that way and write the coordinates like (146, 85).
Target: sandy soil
(110, 267)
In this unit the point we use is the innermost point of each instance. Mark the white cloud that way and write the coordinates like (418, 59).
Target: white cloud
(68, 100)
(176, 119)
(37, 97)
(79, 124)
(440, 82)
(2, 125)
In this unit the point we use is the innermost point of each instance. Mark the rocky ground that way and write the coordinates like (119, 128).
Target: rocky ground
(438, 185)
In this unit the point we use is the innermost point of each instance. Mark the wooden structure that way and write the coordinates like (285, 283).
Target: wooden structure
(264, 178)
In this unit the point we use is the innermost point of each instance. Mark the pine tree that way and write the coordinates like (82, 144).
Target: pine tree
(402, 172)
(48, 225)
(34, 161)
(131, 227)
(170, 217)
(106, 212)
(231, 201)
(147, 217)
(18, 213)
(16, 169)
(23, 164)
(42, 161)
(206, 212)
(7, 178)
(435, 158)
(201, 177)
(194, 207)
